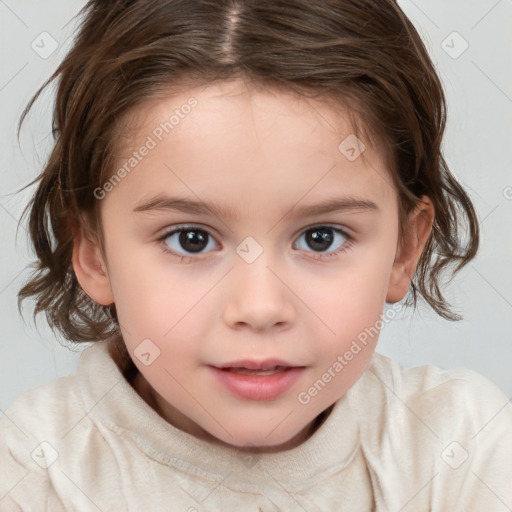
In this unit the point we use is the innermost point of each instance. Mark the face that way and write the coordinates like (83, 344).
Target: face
(246, 253)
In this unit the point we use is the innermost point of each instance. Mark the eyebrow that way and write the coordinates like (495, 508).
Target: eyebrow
(165, 203)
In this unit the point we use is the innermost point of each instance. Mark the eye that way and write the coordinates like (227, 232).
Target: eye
(186, 241)
(321, 238)
(190, 239)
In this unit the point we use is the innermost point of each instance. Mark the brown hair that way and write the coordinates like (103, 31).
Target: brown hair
(364, 54)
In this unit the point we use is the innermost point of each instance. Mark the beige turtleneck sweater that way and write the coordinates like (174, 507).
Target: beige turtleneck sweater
(419, 439)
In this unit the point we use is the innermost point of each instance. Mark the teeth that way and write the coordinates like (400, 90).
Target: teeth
(263, 371)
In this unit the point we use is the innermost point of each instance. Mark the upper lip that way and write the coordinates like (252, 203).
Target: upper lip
(251, 364)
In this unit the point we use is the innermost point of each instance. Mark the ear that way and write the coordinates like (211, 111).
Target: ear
(415, 237)
(90, 268)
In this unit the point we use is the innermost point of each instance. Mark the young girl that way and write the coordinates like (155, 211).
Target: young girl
(237, 189)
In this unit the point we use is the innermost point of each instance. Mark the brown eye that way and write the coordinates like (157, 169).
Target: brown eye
(319, 239)
(188, 240)
(322, 238)
(193, 241)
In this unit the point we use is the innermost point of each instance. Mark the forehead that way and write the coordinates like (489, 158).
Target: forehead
(250, 138)
(224, 104)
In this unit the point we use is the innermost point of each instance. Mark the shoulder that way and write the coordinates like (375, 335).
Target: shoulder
(430, 389)
(29, 430)
(428, 398)
(451, 428)
(40, 413)
(35, 401)
(48, 433)
(52, 410)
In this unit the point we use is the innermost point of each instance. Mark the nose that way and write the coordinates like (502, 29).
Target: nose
(258, 299)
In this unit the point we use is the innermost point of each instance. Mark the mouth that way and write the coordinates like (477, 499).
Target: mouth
(257, 380)
(262, 365)
(263, 371)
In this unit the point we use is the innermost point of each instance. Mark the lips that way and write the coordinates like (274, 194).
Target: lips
(263, 371)
(257, 380)
(250, 364)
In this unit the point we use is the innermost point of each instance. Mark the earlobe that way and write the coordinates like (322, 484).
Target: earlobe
(90, 269)
(416, 235)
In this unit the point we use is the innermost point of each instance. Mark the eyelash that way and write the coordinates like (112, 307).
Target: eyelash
(319, 256)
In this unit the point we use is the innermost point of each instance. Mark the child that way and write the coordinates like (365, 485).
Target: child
(236, 190)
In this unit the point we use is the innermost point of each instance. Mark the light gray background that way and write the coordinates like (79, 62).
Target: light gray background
(478, 84)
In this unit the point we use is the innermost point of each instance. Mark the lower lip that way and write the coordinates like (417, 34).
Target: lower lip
(257, 387)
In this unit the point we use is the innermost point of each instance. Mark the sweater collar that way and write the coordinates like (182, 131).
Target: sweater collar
(113, 404)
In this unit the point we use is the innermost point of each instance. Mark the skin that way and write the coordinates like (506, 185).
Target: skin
(259, 153)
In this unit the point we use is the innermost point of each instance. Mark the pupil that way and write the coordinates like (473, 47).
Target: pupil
(193, 241)
(320, 239)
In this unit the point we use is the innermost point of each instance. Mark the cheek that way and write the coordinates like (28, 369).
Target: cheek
(351, 306)
(164, 305)
(354, 298)
(353, 313)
